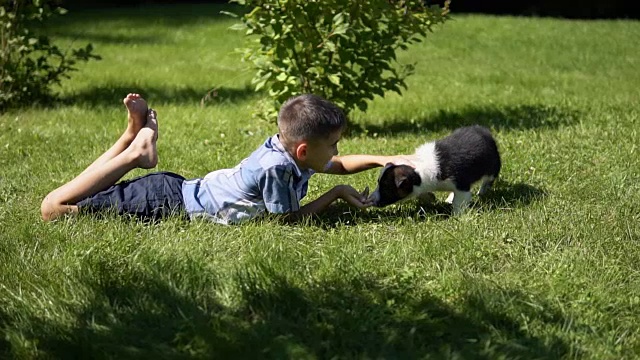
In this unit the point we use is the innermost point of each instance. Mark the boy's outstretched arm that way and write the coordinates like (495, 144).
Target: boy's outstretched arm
(345, 192)
(351, 164)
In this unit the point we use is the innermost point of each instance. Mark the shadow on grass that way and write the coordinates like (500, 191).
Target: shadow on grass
(512, 195)
(5, 345)
(85, 37)
(139, 314)
(368, 317)
(109, 95)
(520, 117)
(504, 195)
(163, 313)
(135, 17)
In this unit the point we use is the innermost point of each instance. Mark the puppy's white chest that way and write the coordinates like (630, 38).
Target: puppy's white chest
(431, 186)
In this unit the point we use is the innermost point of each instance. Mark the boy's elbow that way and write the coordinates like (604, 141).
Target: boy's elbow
(289, 217)
(50, 209)
(335, 167)
(338, 170)
(45, 210)
(293, 217)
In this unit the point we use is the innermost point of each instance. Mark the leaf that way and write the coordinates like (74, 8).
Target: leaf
(341, 29)
(234, 15)
(330, 45)
(335, 79)
(260, 84)
(338, 18)
(238, 27)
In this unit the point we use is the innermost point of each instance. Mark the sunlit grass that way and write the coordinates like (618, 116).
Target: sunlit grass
(545, 267)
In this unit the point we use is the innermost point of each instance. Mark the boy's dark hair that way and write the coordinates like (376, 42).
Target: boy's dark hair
(309, 117)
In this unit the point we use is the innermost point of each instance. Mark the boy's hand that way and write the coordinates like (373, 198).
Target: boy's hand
(354, 197)
(403, 160)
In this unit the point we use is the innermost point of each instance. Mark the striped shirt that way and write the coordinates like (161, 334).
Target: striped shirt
(267, 181)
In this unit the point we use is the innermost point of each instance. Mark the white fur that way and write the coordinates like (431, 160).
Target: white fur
(428, 167)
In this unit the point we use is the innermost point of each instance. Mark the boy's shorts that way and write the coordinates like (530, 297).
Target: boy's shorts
(149, 197)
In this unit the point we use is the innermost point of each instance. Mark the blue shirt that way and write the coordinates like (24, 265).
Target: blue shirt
(268, 180)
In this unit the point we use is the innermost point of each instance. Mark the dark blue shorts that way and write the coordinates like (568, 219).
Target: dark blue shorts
(149, 197)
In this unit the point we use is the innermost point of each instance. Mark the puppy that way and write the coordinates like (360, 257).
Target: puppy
(454, 163)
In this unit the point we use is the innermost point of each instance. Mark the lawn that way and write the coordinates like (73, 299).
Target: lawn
(546, 266)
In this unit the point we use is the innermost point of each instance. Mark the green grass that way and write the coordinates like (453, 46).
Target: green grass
(545, 267)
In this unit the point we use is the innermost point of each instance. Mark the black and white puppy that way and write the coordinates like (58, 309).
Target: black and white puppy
(454, 163)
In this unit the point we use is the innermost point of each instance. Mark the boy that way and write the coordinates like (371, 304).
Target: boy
(272, 179)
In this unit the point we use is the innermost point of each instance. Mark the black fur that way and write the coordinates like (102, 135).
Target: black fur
(467, 155)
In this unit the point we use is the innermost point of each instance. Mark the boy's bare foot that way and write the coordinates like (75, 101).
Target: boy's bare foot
(137, 113)
(143, 147)
(152, 123)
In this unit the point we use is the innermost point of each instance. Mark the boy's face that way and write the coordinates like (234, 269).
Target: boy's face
(320, 152)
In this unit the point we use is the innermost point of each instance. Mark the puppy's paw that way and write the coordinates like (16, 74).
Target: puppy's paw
(450, 198)
(427, 198)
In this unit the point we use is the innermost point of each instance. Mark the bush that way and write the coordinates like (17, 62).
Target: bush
(30, 64)
(342, 50)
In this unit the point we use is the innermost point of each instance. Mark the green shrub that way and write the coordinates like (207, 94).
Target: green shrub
(343, 50)
(31, 64)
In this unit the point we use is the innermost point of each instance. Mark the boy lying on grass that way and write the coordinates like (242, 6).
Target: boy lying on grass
(273, 179)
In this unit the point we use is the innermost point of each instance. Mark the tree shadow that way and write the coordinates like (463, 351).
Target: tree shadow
(369, 317)
(5, 345)
(92, 38)
(108, 95)
(501, 118)
(138, 313)
(141, 313)
(137, 16)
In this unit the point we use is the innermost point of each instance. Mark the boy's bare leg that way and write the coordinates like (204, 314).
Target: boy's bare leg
(136, 118)
(141, 153)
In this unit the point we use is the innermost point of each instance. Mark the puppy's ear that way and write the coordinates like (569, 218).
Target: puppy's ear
(400, 180)
(407, 178)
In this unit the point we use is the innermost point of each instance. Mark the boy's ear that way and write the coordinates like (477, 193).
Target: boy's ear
(301, 151)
